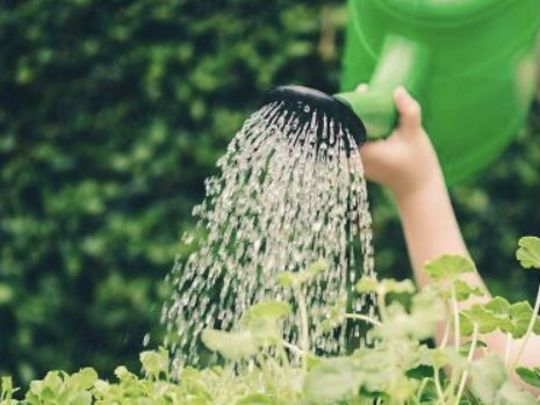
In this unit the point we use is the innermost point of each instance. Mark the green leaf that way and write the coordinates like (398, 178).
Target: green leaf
(520, 316)
(369, 284)
(81, 398)
(448, 267)
(84, 379)
(231, 345)
(269, 310)
(530, 375)
(155, 362)
(528, 252)
(464, 290)
(466, 347)
(309, 274)
(262, 321)
(398, 287)
(333, 380)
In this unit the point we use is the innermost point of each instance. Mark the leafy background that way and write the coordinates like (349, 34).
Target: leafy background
(111, 116)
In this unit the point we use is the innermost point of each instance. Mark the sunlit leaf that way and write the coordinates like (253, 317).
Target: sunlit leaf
(367, 284)
(528, 252)
(448, 267)
(231, 345)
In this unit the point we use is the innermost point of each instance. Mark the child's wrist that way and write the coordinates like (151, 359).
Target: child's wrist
(429, 185)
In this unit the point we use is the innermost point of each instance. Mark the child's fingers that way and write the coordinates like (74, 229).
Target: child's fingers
(410, 113)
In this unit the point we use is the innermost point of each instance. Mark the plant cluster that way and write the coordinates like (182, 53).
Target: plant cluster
(398, 367)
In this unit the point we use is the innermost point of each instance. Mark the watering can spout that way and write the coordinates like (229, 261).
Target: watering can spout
(402, 63)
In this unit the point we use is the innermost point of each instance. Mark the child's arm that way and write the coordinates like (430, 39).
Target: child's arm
(407, 164)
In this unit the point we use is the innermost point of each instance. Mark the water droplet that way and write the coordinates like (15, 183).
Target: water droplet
(146, 340)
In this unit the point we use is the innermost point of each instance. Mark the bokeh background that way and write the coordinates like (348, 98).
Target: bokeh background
(112, 113)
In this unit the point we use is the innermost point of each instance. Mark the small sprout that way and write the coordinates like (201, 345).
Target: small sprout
(231, 345)
(263, 321)
(370, 284)
(290, 279)
(122, 373)
(530, 375)
(155, 362)
(367, 284)
(270, 310)
(448, 267)
(528, 252)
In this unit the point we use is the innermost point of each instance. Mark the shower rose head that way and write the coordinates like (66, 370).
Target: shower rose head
(319, 112)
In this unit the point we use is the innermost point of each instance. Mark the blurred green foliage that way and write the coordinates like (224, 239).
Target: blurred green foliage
(111, 116)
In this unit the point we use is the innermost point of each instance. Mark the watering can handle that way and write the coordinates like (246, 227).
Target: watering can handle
(402, 63)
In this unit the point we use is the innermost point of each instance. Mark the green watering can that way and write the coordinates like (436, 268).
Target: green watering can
(470, 63)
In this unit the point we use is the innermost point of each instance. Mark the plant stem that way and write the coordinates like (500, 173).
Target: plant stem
(529, 331)
(437, 379)
(421, 389)
(284, 358)
(455, 311)
(363, 318)
(469, 361)
(444, 341)
(304, 325)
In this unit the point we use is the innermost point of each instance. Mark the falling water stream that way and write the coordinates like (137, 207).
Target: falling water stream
(290, 191)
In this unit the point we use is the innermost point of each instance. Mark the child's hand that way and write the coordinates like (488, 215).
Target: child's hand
(405, 161)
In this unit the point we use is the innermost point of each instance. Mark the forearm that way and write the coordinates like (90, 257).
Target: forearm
(431, 229)
(430, 226)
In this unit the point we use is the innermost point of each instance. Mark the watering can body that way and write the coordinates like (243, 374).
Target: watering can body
(470, 63)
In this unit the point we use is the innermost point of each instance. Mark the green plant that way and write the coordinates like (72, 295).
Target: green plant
(400, 368)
